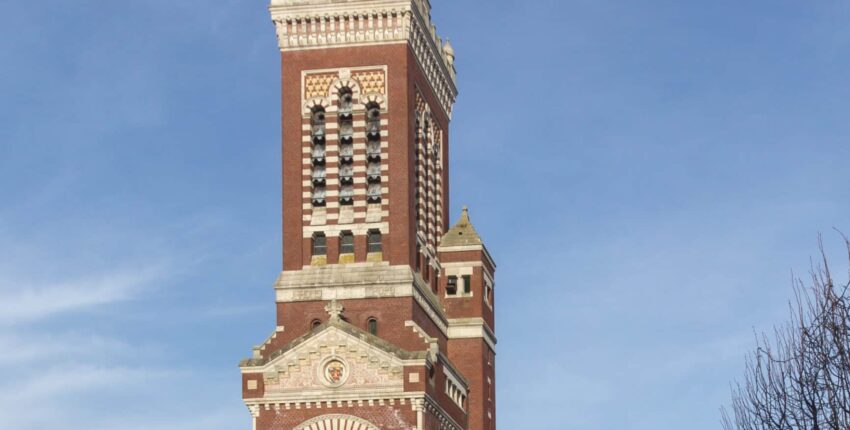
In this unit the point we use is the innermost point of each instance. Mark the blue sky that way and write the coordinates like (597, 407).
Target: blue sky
(646, 174)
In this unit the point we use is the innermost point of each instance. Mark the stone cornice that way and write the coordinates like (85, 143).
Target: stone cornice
(410, 399)
(465, 248)
(472, 328)
(359, 281)
(315, 24)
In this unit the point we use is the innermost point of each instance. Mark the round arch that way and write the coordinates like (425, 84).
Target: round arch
(315, 102)
(336, 422)
(339, 84)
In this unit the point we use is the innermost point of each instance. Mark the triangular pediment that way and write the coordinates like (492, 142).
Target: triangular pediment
(333, 360)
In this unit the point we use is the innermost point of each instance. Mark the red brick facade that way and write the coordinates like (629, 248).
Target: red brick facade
(373, 330)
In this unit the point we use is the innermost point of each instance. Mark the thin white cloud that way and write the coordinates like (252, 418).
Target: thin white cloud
(58, 387)
(21, 303)
(232, 311)
(32, 348)
(226, 416)
(69, 380)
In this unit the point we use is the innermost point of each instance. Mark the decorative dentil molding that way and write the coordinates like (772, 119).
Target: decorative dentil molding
(312, 24)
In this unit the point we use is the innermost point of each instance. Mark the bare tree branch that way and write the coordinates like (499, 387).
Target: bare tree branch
(799, 377)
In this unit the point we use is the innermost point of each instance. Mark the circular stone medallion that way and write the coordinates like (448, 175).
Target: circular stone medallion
(334, 373)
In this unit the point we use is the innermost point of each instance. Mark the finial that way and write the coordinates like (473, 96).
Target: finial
(334, 309)
(464, 215)
(449, 51)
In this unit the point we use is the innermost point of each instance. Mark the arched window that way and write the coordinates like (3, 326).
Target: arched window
(320, 244)
(315, 324)
(374, 172)
(319, 196)
(346, 102)
(372, 325)
(418, 207)
(346, 243)
(346, 147)
(427, 173)
(373, 119)
(373, 152)
(346, 195)
(319, 175)
(346, 174)
(336, 421)
(318, 154)
(373, 241)
(374, 193)
(346, 130)
(317, 120)
(346, 151)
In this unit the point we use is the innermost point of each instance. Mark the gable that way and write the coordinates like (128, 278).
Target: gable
(333, 362)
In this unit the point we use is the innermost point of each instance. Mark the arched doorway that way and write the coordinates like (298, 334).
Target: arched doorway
(346, 422)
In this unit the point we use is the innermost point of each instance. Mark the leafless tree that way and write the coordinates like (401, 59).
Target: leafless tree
(799, 377)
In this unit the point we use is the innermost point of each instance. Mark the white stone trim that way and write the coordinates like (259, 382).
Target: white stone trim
(311, 356)
(259, 348)
(431, 309)
(358, 401)
(462, 264)
(321, 24)
(358, 281)
(337, 229)
(472, 328)
(458, 269)
(453, 383)
(469, 248)
(421, 332)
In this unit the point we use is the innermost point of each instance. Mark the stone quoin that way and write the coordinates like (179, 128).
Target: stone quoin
(385, 315)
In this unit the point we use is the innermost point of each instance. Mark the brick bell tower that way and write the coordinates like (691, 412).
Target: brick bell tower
(384, 315)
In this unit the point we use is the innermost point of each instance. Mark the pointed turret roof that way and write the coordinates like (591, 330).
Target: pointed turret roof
(463, 233)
